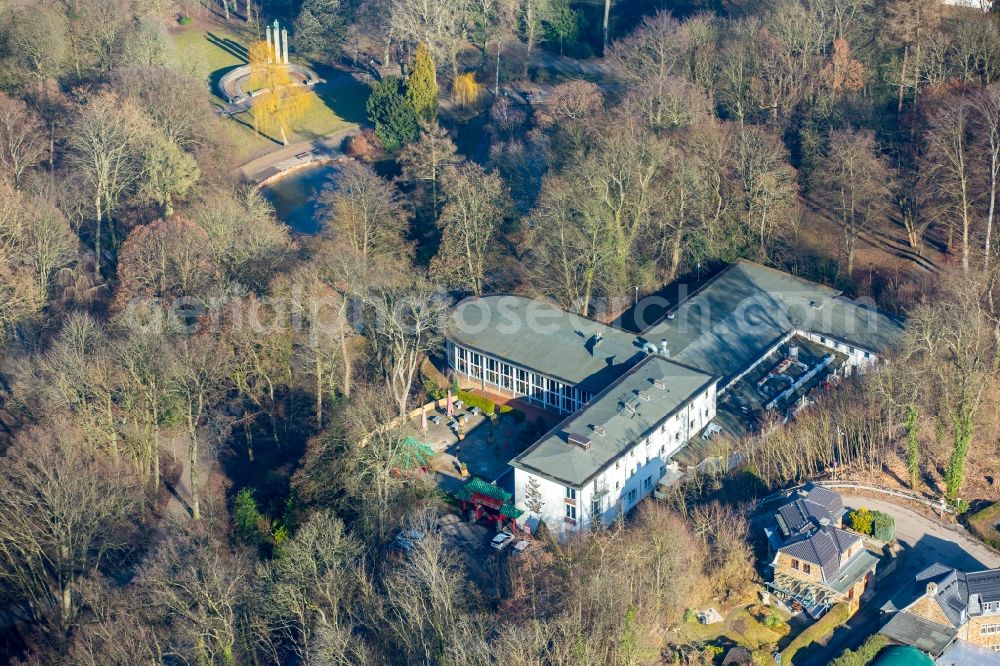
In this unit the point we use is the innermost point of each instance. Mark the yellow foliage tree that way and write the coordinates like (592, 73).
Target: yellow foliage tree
(277, 102)
(465, 90)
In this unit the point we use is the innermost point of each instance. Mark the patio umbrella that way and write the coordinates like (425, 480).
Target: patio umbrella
(423, 419)
(449, 403)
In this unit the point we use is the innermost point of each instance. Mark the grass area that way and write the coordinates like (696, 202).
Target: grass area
(738, 628)
(984, 524)
(207, 52)
(835, 617)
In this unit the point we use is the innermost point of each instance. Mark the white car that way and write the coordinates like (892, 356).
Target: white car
(501, 541)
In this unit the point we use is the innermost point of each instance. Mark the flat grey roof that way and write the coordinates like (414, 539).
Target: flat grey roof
(722, 328)
(747, 308)
(539, 335)
(556, 458)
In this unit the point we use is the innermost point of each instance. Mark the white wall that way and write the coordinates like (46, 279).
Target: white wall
(856, 357)
(626, 481)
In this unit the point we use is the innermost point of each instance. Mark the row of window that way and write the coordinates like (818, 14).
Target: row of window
(537, 388)
(804, 567)
(989, 629)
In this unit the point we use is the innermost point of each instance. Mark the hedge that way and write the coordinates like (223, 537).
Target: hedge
(878, 524)
(865, 654)
(472, 400)
(984, 524)
(835, 617)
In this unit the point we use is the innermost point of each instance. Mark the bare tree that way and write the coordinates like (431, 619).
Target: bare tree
(22, 145)
(856, 178)
(986, 106)
(198, 591)
(951, 157)
(470, 223)
(768, 182)
(66, 507)
(364, 213)
(403, 323)
(106, 149)
(200, 366)
(426, 160)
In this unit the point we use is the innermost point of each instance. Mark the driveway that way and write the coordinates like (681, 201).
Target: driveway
(924, 540)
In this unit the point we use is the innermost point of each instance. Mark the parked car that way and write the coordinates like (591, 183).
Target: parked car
(501, 540)
(520, 547)
(407, 540)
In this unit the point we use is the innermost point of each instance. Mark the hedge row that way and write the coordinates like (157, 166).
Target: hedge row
(835, 617)
(865, 654)
(880, 525)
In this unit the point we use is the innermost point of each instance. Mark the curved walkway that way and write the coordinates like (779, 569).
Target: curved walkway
(295, 155)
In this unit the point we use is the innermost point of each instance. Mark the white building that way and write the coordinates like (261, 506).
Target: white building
(535, 351)
(599, 462)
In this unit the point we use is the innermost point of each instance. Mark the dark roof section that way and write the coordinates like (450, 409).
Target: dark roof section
(912, 630)
(985, 583)
(824, 548)
(614, 421)
(807, 509)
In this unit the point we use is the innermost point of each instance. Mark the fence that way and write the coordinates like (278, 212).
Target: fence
(937, 505)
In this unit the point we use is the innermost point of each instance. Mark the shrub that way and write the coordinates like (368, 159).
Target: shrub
(247, 518)
(861, 520)
(482, 402)
(883, 526)
(364, 145)
(865, 653)
(185, 20)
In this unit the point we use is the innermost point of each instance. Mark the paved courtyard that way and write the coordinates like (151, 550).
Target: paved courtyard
(485, 448)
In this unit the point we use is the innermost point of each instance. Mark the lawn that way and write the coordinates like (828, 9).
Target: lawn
(739, 628)
(209, 51)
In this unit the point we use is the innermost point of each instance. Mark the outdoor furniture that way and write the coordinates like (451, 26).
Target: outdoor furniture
(459, 404)
(436, 420)
(476, 411)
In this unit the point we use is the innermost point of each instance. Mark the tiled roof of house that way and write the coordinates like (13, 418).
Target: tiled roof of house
(824, 548)
(913, 630)
(808, 508)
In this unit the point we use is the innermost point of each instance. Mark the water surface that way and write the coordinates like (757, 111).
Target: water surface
(296, 197)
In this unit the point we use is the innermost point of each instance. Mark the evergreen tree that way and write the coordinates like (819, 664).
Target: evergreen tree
(421, 85)
(394, 119)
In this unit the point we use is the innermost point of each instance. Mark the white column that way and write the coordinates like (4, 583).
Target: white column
(277, 46)
(284, 45)
(270, 45)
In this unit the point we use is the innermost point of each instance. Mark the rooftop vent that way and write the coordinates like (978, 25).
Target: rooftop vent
(815, 305)
(593, 342)
(660, 384)
(664, 349)
(628, 408)
(599, 429)
(579, 440)
(643, 395)
(671, 316)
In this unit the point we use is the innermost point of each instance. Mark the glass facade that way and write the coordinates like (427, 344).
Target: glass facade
(505, 378)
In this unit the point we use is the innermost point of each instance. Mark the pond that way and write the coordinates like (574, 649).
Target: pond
(296, 197)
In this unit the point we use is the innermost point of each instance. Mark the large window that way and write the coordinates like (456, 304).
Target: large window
(571, 493)
(571, 511)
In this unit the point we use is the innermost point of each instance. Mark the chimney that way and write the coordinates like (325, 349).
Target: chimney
(931, 589)
(664, 350)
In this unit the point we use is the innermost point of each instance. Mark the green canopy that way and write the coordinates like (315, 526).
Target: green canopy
(477, 485)
(413, 454)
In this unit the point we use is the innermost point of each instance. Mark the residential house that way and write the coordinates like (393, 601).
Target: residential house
(816, 562)
(948, 611)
